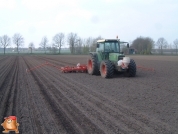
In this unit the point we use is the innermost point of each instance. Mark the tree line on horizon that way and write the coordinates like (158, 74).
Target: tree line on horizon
(78, 45)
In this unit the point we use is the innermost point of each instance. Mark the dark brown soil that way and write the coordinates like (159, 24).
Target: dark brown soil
(48, 101)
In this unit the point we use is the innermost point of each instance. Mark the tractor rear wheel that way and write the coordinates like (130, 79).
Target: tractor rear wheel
(92, 66)
(131, 72)
(106, 69)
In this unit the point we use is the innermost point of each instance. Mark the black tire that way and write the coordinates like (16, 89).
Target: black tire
(92, 66)
(131, 72)
(106, 69)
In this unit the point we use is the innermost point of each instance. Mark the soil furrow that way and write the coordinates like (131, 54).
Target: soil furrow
(4, 58)
(83, 100)
(37, 106)
(20, 102)
(14, 91)
(56, 62)
(6, 66)
(59, 113)
(47, 101)
(71, 109)
(53, 120)
(89, 100)
(9, 87)
(129, 120)
(157, 126)
(26, 112)
(144, 121)
(124, 111)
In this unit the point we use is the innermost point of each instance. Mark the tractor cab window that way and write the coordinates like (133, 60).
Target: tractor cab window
(111, 47)
(100, 47)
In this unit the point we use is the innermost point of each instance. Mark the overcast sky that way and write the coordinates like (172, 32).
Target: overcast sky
(128, 19)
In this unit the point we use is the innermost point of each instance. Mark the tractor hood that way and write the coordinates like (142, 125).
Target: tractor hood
(116, 56)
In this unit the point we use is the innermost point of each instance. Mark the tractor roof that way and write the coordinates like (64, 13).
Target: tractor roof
(107, 40)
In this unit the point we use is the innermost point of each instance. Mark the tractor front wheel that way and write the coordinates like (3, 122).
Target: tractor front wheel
(131, 72)
(106, 69)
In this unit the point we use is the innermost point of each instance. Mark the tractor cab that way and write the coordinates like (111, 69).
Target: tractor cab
(108, 46)
(110, 49)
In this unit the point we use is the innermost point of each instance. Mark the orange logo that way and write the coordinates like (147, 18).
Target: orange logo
(10, 124)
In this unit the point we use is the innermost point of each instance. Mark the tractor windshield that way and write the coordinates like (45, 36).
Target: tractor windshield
(112, 46)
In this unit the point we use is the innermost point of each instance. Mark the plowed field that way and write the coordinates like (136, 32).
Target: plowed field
(47, 101)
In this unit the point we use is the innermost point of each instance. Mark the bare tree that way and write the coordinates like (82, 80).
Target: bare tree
(72, 40)
(89, 42)
(162, 43)
(49, 48)
(176, 44)
(31, 46)
(43, 43)
(18, 40)
(4, 42)
(53, 48)
(59, 40)
(78, 46)
(85, 46)
(169, 47)
(92, 42)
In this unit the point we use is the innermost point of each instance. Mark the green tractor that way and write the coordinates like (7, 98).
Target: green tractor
(109, 59)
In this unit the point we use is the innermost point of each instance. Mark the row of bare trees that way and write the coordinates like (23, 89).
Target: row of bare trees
(58, 42)
(78, 45)
(5, 41)
(163, 44)
(144, 45)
